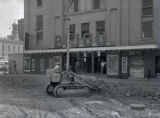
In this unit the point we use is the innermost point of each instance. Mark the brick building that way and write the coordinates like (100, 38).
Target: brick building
(117, 38)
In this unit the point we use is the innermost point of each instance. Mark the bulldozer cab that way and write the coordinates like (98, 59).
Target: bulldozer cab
(54, 74)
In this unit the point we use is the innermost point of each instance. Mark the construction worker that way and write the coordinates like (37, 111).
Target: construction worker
(54, 75)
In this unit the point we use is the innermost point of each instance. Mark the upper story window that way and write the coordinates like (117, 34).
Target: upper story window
(9, 49)
(39, 22)
(39, 3)
(72, 32)
(84, 29)
(100, 26)
(96, 4)
(147, 7)
(100, 30)
(147, 29)
(39, 27)
(14, 49)
(76, 5)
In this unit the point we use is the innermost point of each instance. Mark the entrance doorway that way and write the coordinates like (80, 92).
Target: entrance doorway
(158, 65)
(137, 66)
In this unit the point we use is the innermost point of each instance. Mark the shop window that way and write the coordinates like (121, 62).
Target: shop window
(50, 63)
(41, 64)
(96, 4)
(147, 30)
(39, 3)
(33, 64)
(27, 64)
(147, 7)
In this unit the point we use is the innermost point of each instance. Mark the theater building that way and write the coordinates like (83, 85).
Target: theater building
(115, 38)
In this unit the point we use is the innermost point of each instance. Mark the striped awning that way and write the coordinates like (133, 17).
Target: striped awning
(92, 49)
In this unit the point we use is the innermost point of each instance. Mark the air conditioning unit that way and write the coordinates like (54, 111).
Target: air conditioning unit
(101, 38)
(87, 39)
(58, 41)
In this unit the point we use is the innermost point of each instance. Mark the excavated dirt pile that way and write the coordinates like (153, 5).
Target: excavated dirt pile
(24, 96)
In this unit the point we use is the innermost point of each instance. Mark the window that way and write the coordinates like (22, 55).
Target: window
(147, 7)
(72, 32)
(50, 63)
(100, 31)
(39, 28)
(39, 36)
(9, 49)
(39, 22)
(100, 26)
(84, 29)
(147, 29)
(96, 4)
(27, 64)
(41, 64)
(19, 49)
(14, 49)
(39, 3)
(33, 64)
(76, 5)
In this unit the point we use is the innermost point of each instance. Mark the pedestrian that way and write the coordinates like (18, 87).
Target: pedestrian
(15, 67)
(149, 74)
(102, 66)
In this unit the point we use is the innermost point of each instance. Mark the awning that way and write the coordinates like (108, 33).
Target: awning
(45, 51)
(93, 49)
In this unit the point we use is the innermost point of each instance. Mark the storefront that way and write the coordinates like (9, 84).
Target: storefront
(120, 62)
(37, 62)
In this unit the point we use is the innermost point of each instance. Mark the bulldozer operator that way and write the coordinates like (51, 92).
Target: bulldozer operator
(54, 75)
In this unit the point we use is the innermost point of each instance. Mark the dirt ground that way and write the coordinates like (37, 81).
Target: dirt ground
(24, 96)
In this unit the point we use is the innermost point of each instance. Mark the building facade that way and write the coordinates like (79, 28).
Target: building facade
(10, 46)
(117, 38)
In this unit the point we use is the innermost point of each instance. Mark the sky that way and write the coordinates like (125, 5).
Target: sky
(10, 12)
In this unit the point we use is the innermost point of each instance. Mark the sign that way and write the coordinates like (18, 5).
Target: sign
(124, 64)
(112, 64)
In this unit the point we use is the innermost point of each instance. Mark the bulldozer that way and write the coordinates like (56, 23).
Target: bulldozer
(67, 83)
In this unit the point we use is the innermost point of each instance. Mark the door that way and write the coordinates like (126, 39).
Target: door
(158, 65)
(137, 66)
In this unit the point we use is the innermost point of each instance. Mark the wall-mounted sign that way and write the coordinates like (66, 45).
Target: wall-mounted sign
(112, 64)
(124, 64)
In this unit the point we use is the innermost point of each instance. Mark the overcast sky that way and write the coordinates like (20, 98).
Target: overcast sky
(10, 11)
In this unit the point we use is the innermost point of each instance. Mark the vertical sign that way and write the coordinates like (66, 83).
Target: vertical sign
(112, 66)
(124, 64)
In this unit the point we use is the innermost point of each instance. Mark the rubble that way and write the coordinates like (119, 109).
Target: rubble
(25, 97)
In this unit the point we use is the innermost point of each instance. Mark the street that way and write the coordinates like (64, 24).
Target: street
(25, 97)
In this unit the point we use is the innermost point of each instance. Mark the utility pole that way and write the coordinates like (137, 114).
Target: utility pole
(65, 17)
